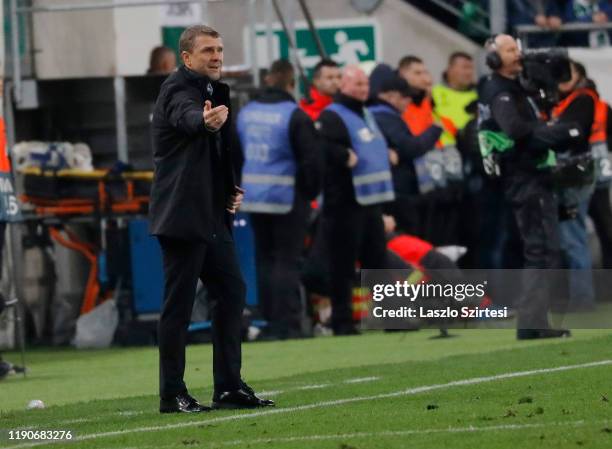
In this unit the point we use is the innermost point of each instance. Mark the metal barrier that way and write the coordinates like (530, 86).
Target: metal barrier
(523, 31)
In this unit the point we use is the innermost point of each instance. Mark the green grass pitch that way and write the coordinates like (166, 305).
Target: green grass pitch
(482, 389)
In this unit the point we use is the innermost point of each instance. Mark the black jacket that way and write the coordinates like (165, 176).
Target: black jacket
(338, 190)
(505, 106)
(194, 177)
(580, 111)
(408, 147)
(305, 145)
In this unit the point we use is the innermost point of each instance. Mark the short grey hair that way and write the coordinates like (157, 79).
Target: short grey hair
(188, 36)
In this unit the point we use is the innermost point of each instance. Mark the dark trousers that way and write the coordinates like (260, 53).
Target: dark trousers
(406, 209)
(355, 233)
(440, 212)
(601, 213)
(279, 242)
(215, 263)
(535, 210)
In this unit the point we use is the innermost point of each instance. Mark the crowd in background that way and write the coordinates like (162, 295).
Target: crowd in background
(334, 211)
(551, 15)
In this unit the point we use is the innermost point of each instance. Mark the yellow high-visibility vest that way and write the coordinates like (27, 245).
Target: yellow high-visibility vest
(451, 103)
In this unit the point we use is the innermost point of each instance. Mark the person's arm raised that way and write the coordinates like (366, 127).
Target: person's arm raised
(185, 114)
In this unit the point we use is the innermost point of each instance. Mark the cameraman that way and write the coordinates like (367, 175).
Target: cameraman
(515, 145)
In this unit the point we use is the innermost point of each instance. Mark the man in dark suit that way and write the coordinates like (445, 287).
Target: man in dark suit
(193, 199)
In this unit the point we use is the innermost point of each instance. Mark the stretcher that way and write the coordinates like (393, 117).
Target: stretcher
(98, 194)
(77, 192)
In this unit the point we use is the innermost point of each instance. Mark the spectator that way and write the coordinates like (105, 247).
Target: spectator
(543, 13)
(600, 208)
(438, 217)
(451, 102)
(390, 96)
(162, 61)
(413, 70)
(325, 84)
(457, 92)
(588, 11)
(577, 106)
(354, 151)
(282, 172)
(454, 101)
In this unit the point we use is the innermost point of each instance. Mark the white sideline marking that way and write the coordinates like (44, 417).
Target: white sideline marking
(313, 387)
(124, 414)
(275, 411)
(395, 433)
(359, 380)
(76, 421)
(56, 423)
(399, 433)
(130, 413)
(270, 393)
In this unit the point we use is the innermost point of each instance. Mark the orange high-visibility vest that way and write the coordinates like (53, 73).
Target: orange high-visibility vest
(420, 117)
(599, 132)
(5, 164)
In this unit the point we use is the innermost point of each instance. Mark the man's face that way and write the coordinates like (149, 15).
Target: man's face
(206, 57)
(395, 99)
(168, 62)
(417, 76)
(510, 54)
(461, 73)
(328, 81)
(355, 83)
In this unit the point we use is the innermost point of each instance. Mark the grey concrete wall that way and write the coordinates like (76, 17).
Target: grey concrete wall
(106, 42)
(403, 29)
(73, 44)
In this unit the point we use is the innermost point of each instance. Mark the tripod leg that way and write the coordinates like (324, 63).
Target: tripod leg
(21, 331)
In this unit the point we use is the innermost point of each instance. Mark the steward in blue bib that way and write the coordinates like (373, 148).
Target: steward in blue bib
(354, 193)
(372, 174)
(282, 172)
(269, 171)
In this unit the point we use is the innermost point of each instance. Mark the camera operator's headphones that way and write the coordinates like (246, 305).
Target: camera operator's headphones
(493, 59)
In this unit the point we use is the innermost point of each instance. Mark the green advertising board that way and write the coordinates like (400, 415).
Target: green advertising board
(345, 41)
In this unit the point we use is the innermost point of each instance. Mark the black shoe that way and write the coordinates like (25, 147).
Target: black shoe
(534, 334)
(182, 403)
(239, 399)
(244, 386)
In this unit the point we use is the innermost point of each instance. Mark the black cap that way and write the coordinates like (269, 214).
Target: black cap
(384, 79)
